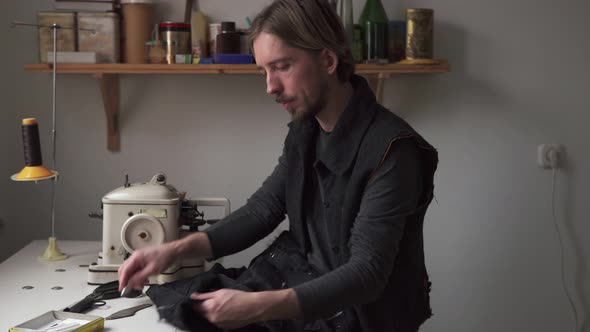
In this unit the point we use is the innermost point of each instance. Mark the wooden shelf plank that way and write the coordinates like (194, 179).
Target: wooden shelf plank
(120, 68)
(108, 77)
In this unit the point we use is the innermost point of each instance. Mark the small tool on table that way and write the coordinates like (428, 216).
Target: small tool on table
(107, 291)
(130, 292)
(127, 312)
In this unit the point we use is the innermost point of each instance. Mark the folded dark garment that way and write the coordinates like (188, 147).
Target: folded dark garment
(280, 266)
(173, 299)
(174, 303)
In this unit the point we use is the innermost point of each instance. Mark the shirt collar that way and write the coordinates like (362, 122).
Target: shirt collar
(343, 142)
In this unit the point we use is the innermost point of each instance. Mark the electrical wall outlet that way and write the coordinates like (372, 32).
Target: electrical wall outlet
(548, 155)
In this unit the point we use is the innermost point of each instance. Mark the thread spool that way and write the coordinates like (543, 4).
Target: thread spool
(31, 142)
(177, 38)
(34, 169)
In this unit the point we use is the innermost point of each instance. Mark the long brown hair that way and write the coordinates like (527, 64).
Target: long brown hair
(311, 25)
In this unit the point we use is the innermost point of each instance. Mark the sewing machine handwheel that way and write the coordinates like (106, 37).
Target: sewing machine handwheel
(140, 231)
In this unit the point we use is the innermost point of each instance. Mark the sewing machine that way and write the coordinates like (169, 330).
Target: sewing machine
(140, 215)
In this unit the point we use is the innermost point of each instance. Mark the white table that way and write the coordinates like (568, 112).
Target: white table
(18, 305)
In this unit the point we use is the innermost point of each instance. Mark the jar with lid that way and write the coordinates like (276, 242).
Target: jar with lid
(228, 41)
(176, 37)
(155, 52)
(154, 49)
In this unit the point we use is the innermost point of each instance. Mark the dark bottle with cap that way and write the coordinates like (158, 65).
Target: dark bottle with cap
(228, 41)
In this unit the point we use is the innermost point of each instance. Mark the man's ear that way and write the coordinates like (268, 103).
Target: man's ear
(329, 60)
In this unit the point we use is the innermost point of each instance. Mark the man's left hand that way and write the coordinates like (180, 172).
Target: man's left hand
(228, 308)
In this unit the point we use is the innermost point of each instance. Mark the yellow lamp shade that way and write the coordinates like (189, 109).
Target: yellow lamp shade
(34, 173)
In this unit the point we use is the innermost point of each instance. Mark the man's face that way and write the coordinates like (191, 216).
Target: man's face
(293, 76)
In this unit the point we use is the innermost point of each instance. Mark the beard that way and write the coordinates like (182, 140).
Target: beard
(304, 115)
(310, 108)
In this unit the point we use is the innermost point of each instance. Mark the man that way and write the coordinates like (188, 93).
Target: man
(354, 179)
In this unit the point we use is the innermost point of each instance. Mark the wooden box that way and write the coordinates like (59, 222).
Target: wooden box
(66, 38)
(105, 40)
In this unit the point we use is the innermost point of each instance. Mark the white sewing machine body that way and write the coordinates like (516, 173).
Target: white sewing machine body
(140, 215)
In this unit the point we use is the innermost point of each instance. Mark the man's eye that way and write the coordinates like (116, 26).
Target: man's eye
(282, 67)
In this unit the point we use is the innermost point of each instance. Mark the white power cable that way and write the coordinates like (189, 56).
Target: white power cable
(563, 283)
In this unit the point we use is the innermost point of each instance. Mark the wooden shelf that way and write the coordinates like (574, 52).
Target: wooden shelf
(108, 77)
(121, 68)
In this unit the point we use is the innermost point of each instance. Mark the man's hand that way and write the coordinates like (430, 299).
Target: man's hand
(232, 309)
(134, 272)
(228, 308)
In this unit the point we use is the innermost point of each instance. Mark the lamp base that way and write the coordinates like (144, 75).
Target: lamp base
(52, 252)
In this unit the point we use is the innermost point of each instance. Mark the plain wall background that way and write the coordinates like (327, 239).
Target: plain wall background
(519, 78)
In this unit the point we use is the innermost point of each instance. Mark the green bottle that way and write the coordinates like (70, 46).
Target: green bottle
(374, 23)
(357, 44)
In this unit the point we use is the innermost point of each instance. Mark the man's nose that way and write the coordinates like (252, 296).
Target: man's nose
(273, 84)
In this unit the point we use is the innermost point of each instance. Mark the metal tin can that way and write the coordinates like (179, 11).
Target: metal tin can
(419, 40)
(176, 38)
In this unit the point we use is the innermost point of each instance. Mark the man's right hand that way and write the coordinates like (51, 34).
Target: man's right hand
(134, 271)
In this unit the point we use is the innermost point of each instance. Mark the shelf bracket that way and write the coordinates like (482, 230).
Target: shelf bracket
(109, 88)
(376, 82)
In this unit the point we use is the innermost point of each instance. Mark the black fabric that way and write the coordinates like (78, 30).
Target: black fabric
(280, 266)
(315, 213)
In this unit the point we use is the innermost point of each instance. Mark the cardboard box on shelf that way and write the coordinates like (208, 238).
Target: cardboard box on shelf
(105, 39)
(66, 37)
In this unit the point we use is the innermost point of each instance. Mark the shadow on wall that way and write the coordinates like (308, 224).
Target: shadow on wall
(579, 289)
(473, 86)
(182, 96)
(468, 81)
(129, 108)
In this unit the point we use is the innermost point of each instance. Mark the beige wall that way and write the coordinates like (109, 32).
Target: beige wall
(520, 78)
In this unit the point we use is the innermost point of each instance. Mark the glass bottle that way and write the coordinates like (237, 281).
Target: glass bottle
(357, 44)
(347, 17)
(374, 23)
(228, 41)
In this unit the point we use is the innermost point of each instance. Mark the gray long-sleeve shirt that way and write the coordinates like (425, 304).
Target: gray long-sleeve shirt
(376, 233)
(392, 195)
(377, 176)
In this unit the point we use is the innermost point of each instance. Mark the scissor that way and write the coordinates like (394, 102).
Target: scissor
(107, 291)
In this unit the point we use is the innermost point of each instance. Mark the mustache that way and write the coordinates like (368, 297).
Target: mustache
(282, 100)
